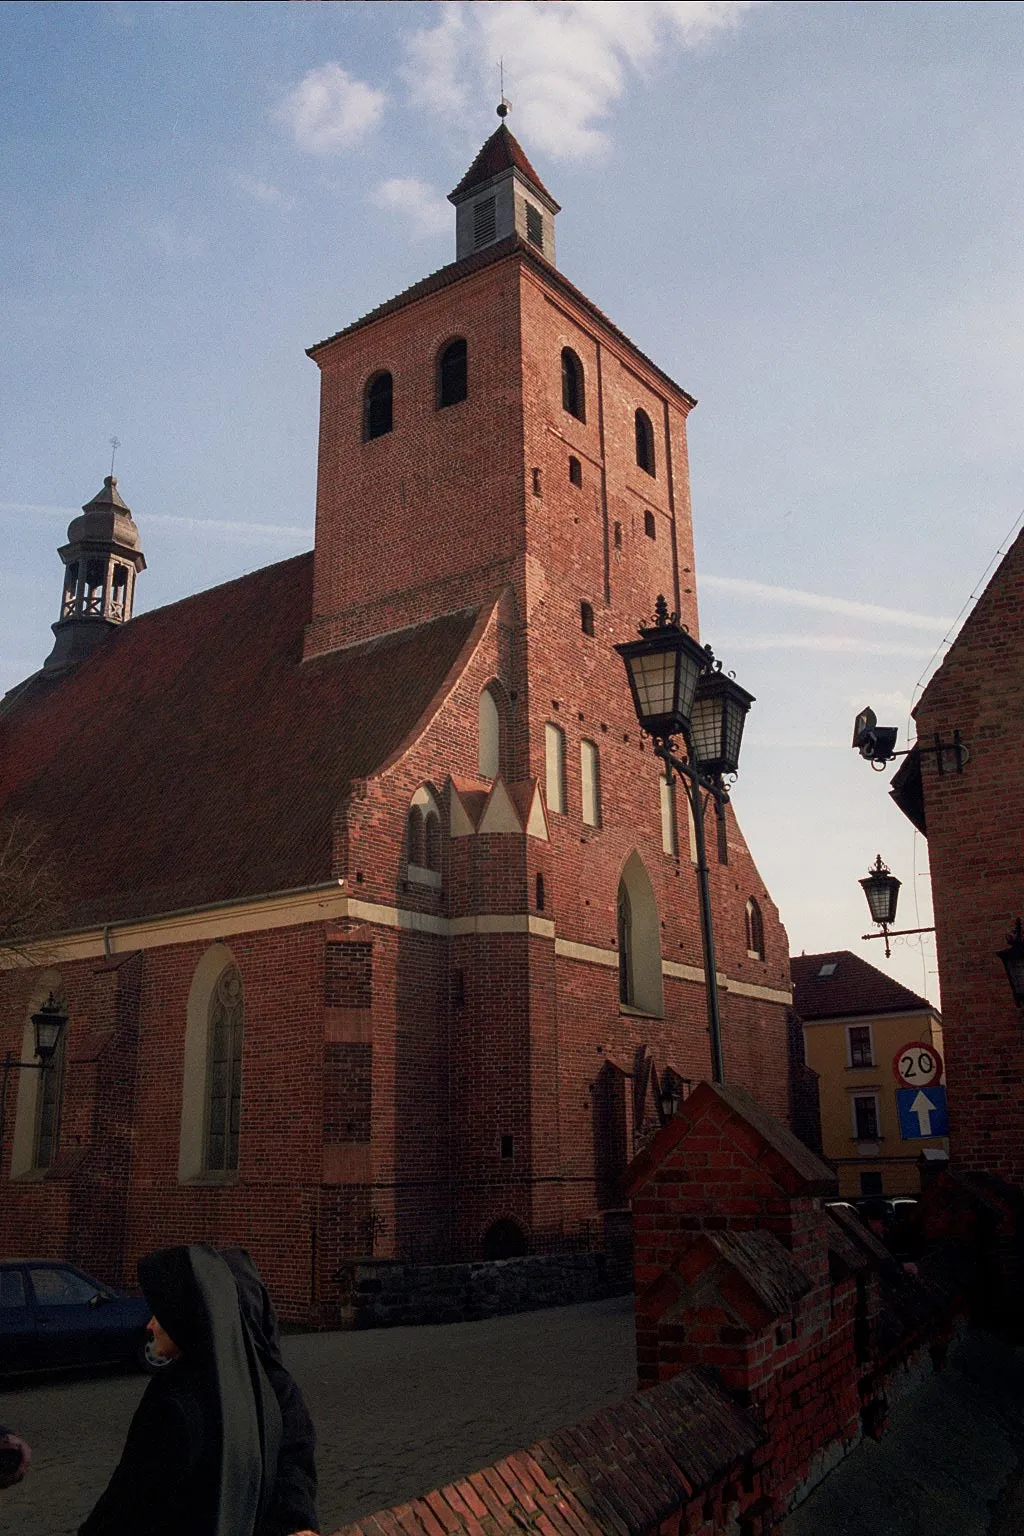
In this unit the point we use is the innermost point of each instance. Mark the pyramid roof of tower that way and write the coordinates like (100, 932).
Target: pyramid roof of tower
(195, 758)
(501, 152)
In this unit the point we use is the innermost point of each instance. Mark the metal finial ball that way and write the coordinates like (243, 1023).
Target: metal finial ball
(503, 109)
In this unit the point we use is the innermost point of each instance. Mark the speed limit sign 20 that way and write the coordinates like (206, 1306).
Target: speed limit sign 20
(917, 1065)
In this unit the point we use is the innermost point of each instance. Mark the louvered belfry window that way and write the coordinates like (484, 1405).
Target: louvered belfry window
(483, 221)
(224, 1075)
(534, 225)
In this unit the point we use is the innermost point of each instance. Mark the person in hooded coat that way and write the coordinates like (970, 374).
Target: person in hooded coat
(201, 1454)
(293, 1502)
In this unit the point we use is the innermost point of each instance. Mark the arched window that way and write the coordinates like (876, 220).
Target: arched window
(40, 1100)
(432, 842)
(489, 738)
(224, 1075)
(644, 442)
(573, 392)
(377, 406)
(423, 834)
(414, 835)
(554, 767)
(639, 936)
(504, 1240)
(755, 930)
(452, 373)
(590, 783)
(587, 618)
(575, 471)
(211, 1100)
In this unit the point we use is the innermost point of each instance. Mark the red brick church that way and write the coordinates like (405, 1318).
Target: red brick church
(378, 926)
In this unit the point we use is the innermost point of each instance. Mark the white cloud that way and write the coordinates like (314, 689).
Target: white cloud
(216, 527)
(566, 64)
(759, 591)
(262, 191)
(329, 110)
(426, 209)
(167, 237)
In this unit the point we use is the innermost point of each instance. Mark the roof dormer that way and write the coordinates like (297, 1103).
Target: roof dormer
(501, 195)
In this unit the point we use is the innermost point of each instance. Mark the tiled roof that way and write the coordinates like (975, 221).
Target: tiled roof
(775, 1278)
(852, 987)
(455, 271)
(502, 152)
(193, 757)
(620, 1473)
(817, 1175)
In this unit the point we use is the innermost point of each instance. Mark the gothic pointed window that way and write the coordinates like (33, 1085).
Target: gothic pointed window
(224, 1075)
(414, 835)
(644, 442)
(755, 930)
(554, 767)
(573, 387)
(452, 373)
(49, 1101)
(625, 925)
(377, 406)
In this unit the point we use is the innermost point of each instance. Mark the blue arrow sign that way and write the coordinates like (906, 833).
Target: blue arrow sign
(922, 1112)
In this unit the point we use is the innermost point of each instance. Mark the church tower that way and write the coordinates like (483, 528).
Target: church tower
(102, 558)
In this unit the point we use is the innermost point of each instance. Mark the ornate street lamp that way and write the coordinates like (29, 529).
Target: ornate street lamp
(882, 890)
(670, 1094)
(1013, 959)
(49, 1025)
(676, 692)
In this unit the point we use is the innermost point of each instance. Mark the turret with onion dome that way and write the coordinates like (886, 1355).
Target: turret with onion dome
(500, 195)
(102, 558)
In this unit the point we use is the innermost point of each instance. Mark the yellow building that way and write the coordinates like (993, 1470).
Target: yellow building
(855, 1021)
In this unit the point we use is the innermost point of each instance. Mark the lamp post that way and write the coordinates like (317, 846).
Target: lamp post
(48, 1024)
(677, 691)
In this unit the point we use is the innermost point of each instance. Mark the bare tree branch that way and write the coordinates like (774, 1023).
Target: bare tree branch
(31, 900)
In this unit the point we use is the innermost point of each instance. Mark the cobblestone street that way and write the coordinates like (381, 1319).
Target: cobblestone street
(398, 1411)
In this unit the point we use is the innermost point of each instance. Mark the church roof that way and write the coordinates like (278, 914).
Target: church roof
(502, 152)
(194, 757)
(455, 271)
(840, 983)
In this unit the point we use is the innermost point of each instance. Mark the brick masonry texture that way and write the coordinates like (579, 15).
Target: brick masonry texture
(772, 1337)
(976, 855)
(405, 1088)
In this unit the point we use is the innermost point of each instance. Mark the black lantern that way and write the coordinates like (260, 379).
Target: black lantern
(882, 890)
(716, 725)
(670, 1094)
(663, 667)
(48, 1024)
(1013, 959)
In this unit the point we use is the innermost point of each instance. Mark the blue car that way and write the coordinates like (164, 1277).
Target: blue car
(54, 1316)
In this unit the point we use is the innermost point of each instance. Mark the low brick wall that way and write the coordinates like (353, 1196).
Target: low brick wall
(385, 1293)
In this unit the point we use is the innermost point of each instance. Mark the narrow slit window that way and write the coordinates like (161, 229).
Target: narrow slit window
(575, 471)
(554, 767)
(644, 442)
(590, 783)
(618, 535)
(573, 388)
(452, 373)
(378, 406)
(649, 526)
(540, 893)
(587, 618)
(669, 836)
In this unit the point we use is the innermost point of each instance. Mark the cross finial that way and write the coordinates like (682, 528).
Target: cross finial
(115, 443)
(504, 105)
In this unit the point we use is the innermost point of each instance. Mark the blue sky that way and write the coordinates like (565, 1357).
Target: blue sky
(809, 215)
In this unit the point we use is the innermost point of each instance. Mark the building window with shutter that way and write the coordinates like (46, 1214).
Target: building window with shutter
(858, 1038)
(865, 1117)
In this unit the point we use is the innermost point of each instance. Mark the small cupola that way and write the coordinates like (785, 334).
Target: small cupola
(101, 559)
(501, 195)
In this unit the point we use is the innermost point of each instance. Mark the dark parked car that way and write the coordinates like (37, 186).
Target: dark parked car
(54, 1316)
